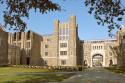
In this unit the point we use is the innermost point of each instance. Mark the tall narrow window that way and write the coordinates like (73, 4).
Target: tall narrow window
(45, 62)
(64, 33)
(28, 35)
(19, 36)
(14, 36)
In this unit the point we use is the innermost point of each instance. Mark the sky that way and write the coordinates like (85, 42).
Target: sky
(87, 27)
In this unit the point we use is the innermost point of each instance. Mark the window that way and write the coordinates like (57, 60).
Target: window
(63, 45)
(63, 52)
(48, 39)
(45, 62)
(64, 33)
(28, 45)
(46, 46)
(100, 47)
(28, 35)
(63, 62)
(14, 36)
(19, 37)
(67, 31)
(46, 53)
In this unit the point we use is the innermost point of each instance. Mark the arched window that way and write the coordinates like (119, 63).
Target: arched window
(85, 62)
(110, 62)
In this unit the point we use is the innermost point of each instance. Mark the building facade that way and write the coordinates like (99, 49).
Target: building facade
(64, 48)
(3, 47)
(24, 48)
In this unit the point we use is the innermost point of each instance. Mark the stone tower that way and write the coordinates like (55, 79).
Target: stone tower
(56, 40)
(72, 40)
(121, 44)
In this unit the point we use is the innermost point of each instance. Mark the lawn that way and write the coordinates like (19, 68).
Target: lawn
(30, 75)
(117, 69)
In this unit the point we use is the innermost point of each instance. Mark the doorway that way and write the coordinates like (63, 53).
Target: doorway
(27, 60)
(97, 60)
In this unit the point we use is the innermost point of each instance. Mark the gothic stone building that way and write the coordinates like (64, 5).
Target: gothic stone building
(64, 48)
(24, 48)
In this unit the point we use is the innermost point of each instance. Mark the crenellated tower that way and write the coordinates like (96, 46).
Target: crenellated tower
(73, 40)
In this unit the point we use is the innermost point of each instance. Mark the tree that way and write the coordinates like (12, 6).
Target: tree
(106, 12)
(16, 10)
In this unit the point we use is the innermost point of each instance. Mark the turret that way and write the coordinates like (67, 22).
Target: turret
(72, 40)
(73, 22)
(56, 40)
(56, 25)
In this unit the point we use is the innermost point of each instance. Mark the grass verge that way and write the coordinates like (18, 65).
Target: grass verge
(116, 69)
(30, 75)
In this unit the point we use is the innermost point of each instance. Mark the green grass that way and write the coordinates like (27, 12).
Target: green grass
(117, 69)
(30, 75)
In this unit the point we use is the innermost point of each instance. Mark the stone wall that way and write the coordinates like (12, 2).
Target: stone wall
(3, 47)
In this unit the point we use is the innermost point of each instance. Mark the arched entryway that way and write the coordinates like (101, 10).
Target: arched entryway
(97, 60)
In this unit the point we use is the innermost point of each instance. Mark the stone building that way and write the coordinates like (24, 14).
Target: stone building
(121, 46)
(99, 52)
(26, 47)
(64, 48)
(13, 55)
(3, 47)
(60, 48)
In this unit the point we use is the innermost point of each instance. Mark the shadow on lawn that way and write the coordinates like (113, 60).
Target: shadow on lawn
(40, 78)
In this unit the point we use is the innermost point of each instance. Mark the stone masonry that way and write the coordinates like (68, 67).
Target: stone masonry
(64, 48)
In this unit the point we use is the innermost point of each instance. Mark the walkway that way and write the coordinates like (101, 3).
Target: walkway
(96, 75)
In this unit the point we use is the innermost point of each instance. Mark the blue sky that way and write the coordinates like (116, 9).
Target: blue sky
(87, 26)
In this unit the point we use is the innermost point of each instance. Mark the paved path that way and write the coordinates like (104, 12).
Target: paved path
(96, 75)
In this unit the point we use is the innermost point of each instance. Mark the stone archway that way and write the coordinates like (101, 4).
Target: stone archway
(97, 60)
